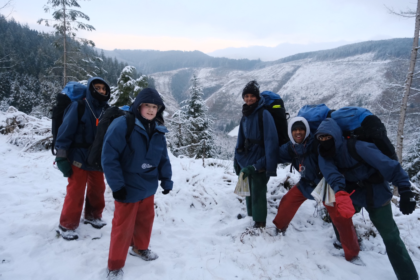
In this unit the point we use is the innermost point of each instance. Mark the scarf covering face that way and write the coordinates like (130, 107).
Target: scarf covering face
(248, 109)
(327, 148)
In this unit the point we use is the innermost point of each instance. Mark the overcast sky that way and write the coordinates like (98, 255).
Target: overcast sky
(208, 25)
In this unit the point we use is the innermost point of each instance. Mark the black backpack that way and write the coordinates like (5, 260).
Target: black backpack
(95, 154)
(73, 91)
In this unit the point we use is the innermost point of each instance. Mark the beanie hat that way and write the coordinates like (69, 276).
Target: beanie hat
(251, 87)
(298, 125)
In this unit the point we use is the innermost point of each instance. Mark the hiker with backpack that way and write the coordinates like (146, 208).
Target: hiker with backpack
(133, 168)
(72, 142)
(255, 143)
(359, 173)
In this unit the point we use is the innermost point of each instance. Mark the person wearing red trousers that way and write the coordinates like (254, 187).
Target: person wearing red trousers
(301, 152)
(73, 140)
(132, 169)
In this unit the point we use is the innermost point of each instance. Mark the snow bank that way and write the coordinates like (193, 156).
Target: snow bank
(197, 233)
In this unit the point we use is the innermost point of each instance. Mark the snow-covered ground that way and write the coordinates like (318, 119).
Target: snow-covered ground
(197, 233)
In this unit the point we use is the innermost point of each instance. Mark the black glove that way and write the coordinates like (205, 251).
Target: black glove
(64, 166)
(407, 203)
(121, 194)
(236, 167)
(166, 191)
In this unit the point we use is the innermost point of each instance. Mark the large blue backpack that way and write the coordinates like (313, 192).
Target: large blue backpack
(73, 91)
(357, 123)
(275, 106)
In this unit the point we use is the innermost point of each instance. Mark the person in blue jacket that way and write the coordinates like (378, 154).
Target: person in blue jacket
(364, 182)
(253, 145)
(73, 140)
(132, 170)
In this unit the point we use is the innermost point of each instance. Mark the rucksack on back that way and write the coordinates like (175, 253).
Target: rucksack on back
(314, 114)
(360, 124)
(73, 91)
(275, 106)
(95, 153)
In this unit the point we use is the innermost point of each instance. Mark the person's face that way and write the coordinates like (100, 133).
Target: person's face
(100, 88)
(298, 135)
(148, 111)
(324, 137)
(250, 99)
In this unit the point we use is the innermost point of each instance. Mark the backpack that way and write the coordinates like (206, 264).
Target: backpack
(357, 123)
(73, 91)
(275, 106)
(314, 114)
(95, 153)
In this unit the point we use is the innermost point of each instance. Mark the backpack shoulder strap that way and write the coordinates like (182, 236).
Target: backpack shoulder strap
(351, 146)
(261, 122)
(130, 119)
(80, 108)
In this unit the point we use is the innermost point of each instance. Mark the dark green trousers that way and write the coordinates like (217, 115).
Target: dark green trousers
(397, 253)
(256, 204)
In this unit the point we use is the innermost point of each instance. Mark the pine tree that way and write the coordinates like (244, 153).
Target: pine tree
(192, 134)
(127, 87)
(66, 24)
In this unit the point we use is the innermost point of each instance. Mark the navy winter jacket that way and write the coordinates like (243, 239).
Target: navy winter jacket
(375, 161)
(140, 163)
(71, 131)
(249, 128)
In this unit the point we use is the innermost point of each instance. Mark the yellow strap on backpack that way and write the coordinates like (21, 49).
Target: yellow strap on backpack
(276, 106)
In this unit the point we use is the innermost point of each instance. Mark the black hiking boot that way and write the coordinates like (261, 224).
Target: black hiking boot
(259, 225)
(146, 255)
(67, 234)
(96, 223)
(115, 274)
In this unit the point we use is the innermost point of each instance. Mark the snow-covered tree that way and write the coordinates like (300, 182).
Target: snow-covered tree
(192, 134)
(127, 87)
(412, 163)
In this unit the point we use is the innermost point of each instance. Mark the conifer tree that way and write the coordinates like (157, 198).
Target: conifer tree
(412, 165)
(66, 23)
(192, 134)
(127, 87)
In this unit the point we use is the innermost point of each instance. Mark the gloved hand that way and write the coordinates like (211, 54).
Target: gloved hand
(166, 191)
(64, 166)
(344, 204)
(249, 170)
(121, 194)
(236, 167)
(407, 203)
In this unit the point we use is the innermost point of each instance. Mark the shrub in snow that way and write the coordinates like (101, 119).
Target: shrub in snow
(25, 131)
(127, 87)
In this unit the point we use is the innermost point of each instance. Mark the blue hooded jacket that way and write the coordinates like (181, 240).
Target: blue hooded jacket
(375, 161)
(139, 164)
(249, 128)
(302, 154)
(71, 131)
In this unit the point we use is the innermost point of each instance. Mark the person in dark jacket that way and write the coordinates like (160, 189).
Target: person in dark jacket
(73, 141)
(365, 183)
(253, 145)
(132, 170)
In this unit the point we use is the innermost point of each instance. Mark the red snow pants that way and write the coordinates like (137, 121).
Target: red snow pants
(347, 233)
(73, 202)
(288, 207)
(132, 225)
(291, 202)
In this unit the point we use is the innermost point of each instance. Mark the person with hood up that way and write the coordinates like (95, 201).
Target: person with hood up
(300, 151)
(253, 145)
(132, 169)
(73, 141)
(365, 183)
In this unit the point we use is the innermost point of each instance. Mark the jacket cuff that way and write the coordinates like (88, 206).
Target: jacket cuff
(167, 184)
(403, 189)
(61, 153)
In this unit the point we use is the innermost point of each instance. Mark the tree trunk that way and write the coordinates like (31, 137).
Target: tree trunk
(400, 134)
(65, 46)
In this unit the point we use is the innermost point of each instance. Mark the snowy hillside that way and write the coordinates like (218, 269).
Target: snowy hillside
(196, 233)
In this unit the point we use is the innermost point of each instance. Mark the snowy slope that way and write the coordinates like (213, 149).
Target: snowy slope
(196, 232)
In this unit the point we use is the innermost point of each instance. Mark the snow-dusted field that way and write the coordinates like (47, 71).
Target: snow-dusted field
(196, 233)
